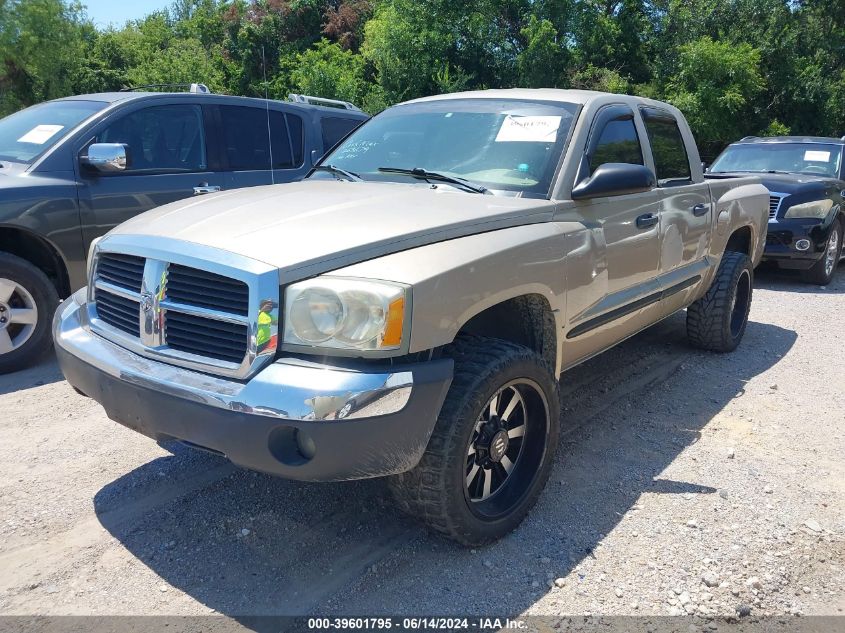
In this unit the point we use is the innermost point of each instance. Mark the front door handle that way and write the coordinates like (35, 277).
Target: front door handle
(646, 221)
(700, 209)
(205, 188)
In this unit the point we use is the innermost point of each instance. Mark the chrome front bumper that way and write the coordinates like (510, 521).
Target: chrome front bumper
(290, 399)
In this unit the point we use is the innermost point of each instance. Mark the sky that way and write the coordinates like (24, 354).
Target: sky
(103, 12)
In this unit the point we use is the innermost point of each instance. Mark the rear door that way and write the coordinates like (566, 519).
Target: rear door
(167, 161)
(686, 214)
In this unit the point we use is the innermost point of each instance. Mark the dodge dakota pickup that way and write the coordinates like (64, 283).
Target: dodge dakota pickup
(408, 309)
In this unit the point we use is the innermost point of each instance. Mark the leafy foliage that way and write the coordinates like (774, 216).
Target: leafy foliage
(735, 67)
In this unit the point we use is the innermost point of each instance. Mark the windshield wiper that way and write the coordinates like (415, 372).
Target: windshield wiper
(349, 175)
(426, 175)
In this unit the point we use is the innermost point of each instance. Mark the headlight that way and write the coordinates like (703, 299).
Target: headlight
(815, 209)
(339, 313)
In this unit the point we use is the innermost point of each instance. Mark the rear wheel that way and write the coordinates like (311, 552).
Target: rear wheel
(492, 447)
(823, 270)
(717, 321)
(27, 303)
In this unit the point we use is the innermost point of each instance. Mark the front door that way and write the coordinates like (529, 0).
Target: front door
(167, 161)
(626, 230)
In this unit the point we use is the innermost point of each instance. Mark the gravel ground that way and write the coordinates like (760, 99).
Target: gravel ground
(687, 482)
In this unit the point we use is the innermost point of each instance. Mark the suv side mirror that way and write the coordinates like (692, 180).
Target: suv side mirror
(106, 157)
(615, 179)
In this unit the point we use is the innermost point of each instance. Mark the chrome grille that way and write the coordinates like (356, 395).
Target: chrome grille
(125, 271)
(184, 314)
(205, 337)
(119, 312)
(774, 204)
(208, 290)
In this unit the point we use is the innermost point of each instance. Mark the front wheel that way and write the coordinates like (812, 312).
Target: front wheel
(492, 447)
(717, 321)
(823, 270)
(27, 303)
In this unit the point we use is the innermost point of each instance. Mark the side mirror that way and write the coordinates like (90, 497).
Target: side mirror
(615, 179)
(704, 167)
(106, 157)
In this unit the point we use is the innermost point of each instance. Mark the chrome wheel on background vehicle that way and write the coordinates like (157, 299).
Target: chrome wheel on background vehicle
(18, 315)
(28, 300)
(824, 269)
(831, 256)
(505, 448)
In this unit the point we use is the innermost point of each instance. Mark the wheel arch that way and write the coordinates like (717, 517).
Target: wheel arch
(524, 316)
(39, 252)
(741, 240)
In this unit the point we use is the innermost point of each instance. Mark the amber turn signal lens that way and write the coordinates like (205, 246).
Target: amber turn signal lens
(393, 328)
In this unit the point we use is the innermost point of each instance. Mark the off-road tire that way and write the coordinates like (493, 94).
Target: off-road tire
(717, 321)
(817, 274)
(434, 491)
(46, 300)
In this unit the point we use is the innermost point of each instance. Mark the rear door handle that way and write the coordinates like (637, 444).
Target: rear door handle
(205, 188)
(646, 220)
(700, 209)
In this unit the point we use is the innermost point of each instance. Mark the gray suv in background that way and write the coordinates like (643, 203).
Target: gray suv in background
(73, 168)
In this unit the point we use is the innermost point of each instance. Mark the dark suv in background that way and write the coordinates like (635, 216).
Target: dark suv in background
(806, 178)
(73, 168)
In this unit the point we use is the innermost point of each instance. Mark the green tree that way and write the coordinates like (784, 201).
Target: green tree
(41, 50)
(329, 71)
(544, 60)
(715, 86)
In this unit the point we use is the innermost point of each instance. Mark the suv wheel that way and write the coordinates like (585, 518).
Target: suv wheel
(27, 303)
(823, 270)
(717, 321)
(492, 447)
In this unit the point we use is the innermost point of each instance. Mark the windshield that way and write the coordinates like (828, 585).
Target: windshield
(503, 145)
(800, 158)
(27, 134)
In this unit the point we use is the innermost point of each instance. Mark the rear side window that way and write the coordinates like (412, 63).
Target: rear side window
(295, 129)
(334, 129)
(618, 143)
(245, 139)
(667, 146)
(248, 145)
(160, 138)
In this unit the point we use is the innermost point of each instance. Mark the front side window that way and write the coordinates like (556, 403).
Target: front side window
(511, 147)
(795, 158)
(167, 138)
(27, 134)
(667, 147)
(618, 143)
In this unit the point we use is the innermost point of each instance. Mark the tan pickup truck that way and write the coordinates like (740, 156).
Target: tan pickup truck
(408, 309)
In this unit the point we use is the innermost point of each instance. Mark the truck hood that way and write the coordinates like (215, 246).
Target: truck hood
(318, 225)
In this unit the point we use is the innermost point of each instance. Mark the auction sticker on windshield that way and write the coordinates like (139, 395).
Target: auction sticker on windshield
(815, 155)
(535, 129)
(40, 134)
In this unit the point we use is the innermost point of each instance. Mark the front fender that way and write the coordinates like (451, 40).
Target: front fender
(455, 280)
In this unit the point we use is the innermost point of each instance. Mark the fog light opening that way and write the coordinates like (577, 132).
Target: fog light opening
(802, 245)
(291, 446)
